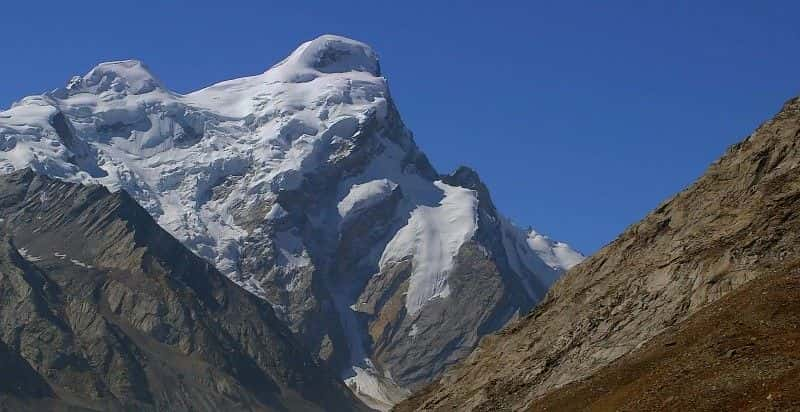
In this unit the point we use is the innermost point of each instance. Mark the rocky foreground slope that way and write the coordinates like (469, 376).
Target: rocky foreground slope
(303, 185)
(740, 353)
(101, 309)
(740, 221)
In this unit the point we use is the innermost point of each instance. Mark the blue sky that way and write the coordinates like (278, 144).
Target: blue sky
(580, 116)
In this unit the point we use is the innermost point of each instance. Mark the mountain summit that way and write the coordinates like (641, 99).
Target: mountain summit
(332, 54)
(303, 185)
(128, 76)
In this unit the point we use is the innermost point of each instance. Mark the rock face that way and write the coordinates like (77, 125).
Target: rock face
(101, 309)
(303, 185)
(738, 222)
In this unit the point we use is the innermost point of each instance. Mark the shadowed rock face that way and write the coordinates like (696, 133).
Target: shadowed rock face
(738, 222)
(101, 309)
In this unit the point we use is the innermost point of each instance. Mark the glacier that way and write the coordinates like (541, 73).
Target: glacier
(302, 185)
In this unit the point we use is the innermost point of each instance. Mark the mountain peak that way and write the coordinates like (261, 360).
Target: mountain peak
(129, 76)
(365, 220)
(334, 54)
(464, 176)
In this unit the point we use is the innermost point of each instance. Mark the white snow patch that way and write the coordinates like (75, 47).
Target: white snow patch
(365, 195)
(276, 212)
(27, 256)
(378, 392)
(432, 237)
(557, 255)
(81, 264)
(537, 260)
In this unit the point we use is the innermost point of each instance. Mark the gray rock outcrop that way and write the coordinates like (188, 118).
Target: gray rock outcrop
(101, 309)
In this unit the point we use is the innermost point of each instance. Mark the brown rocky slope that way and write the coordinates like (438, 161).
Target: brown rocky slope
(739, 221)
(740, 353)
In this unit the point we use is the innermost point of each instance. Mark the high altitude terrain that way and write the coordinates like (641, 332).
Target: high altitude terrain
(302, 185)
(739, 222)
(101, 309)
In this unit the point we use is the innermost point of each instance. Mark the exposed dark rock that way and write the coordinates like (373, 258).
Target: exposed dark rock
(102, 309)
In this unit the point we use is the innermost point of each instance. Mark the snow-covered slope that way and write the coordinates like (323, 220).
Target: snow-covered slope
(302, 185)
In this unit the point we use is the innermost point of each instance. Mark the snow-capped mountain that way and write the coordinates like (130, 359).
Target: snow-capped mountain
(303, 185)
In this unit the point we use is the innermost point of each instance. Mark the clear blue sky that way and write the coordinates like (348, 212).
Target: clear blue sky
(580, 116)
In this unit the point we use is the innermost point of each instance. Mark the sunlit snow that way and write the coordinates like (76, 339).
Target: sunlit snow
(195, 161)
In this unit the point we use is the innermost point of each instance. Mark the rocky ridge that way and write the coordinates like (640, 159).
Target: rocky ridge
(101, 309)
(738, 222)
